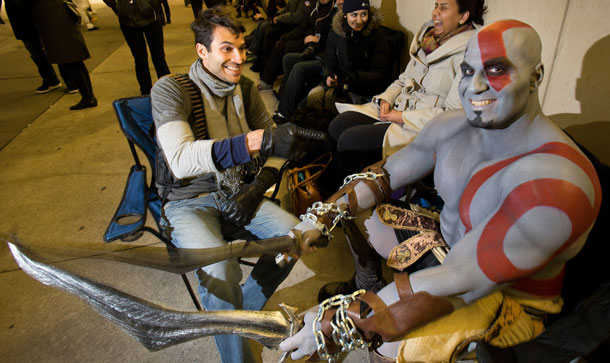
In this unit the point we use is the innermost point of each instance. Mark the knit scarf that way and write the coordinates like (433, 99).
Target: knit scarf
(225, 117)
(222, 103)
(430, 42)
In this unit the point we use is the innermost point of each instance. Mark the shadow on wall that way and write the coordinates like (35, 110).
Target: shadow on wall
(391, 20)
(591, 128)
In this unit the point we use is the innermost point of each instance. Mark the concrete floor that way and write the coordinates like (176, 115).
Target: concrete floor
(62, 175)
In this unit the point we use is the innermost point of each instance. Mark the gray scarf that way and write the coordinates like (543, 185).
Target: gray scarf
(225, 117)
(222, 103)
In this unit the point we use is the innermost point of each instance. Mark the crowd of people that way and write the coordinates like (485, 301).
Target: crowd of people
(518, 197)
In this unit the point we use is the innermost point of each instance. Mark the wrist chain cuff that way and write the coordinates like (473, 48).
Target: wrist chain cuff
(319, 209)
(344, 334)
(368, 175)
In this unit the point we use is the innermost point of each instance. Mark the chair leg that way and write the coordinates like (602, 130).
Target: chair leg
(191, 292)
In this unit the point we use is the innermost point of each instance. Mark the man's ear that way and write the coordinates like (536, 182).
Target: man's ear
(202, 51)
(537, 76)
(464, 17)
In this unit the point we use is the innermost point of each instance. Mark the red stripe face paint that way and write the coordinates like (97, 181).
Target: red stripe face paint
(491, 45)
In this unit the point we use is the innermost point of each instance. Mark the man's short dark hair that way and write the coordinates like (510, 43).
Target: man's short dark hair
(209, 19)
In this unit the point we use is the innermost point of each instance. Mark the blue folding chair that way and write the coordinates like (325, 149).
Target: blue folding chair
(129, 220)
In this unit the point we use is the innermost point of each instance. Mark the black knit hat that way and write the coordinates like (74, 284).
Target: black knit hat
(354, 5)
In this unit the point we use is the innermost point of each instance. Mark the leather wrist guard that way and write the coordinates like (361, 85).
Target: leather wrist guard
(325, 216)
(385, 323)
(374, 176)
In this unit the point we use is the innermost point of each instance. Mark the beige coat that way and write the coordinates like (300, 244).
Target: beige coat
(427, 87)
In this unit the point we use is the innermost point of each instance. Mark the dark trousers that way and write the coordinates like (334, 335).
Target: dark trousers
(45, 68)
(299, 77)
(267, 35)
(197, 5)
(273, 66)
(359, 140)
(78, 72)
(137, 38)
(166, 10)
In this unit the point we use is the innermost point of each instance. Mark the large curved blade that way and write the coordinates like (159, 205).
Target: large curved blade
(152, 325)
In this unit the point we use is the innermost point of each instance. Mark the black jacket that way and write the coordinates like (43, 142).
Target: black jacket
(359, 59)
(135, 13)
(319, 22)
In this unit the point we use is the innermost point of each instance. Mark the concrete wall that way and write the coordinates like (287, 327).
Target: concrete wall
(576, 53)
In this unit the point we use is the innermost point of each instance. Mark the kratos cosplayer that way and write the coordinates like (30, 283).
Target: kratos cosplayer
(520, 199)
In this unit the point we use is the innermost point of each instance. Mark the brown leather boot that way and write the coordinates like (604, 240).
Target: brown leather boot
(367, 265)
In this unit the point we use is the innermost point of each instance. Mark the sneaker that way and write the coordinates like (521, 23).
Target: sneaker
(72, 90)
(85, 103)
(92, 27)
(46, 88)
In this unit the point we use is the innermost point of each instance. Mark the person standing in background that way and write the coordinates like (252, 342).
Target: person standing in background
(24, 28)
(64, 45)
(140, 22)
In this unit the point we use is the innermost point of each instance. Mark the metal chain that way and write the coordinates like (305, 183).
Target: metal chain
(319, 209)
(344, 332)
(369, 175)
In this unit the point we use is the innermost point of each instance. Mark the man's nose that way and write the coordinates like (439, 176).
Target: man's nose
(239, 56)
(478, 83)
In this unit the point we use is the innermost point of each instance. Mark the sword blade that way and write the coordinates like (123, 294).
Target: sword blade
(157, 256)
(154, 326)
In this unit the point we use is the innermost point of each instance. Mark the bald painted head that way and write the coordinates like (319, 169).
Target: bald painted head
(501, 73)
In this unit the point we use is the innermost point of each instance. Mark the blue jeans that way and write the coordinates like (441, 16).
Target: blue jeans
(197, 223)
(297, 73)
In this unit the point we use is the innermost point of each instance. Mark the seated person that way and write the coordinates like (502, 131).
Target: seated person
(356, 56)
(304, 70)
(269, 32)
(520, 199)
(305, 35)
(427, 87)
(210, 192)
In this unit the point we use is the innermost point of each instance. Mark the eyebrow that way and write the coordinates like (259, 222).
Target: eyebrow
(498, 61)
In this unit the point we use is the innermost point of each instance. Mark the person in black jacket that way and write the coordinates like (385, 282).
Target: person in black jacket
(140, 20)
(306, 35)
(22, 22)
(64, 45)
(302, 71)
(269, 32)
(356, 56)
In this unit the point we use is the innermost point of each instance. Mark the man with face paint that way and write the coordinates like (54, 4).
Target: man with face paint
(520, 199)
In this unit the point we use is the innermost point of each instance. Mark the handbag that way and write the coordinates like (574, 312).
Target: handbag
(73, 11)
(302, 183)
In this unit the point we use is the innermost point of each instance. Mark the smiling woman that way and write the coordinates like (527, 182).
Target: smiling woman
(427, 87)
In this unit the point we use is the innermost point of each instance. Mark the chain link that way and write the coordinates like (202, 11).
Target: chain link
(345, 333)
(369, 175)
(319, 209)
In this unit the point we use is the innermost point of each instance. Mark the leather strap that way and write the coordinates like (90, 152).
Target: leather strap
(379, 186)
(389, 322)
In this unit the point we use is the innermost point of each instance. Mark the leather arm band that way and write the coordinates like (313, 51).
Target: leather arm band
(380, 186)
(412, 310)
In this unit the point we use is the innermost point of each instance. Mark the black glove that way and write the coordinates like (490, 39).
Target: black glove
(240, 207)
(288, 141)
(309, 52)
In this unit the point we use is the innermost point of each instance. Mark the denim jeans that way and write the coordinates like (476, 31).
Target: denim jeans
(197, 223)
(297, 76)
